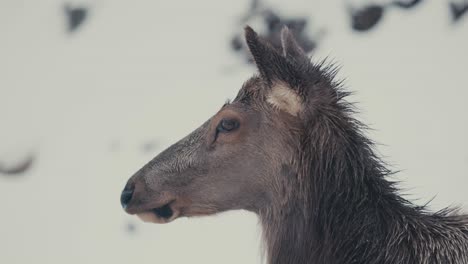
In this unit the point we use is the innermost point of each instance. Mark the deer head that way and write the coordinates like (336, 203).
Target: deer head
(244, 155)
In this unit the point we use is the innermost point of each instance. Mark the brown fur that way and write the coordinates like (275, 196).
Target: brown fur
(321, 193)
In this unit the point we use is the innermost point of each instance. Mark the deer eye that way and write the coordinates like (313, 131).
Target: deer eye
(227, 125)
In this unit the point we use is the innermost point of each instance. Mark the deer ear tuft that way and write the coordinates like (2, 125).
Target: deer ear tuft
(282, 97)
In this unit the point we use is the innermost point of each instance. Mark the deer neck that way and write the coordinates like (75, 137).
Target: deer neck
(336, 206)
(329, 198)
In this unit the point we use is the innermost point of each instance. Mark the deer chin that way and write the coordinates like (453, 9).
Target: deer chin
(160, 215)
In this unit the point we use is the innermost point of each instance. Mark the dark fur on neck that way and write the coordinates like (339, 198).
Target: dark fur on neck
(342, 207)
(338, 205)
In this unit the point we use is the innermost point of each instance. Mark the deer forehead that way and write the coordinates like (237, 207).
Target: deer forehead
(286, 99)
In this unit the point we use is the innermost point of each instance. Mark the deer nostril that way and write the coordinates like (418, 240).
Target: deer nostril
(125, 197)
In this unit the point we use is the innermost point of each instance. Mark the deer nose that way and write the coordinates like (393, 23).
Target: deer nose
(126, 196)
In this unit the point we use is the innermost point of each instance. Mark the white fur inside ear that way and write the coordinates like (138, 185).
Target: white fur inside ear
(284, 98)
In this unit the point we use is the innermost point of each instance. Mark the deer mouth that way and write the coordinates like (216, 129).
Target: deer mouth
(160, 215)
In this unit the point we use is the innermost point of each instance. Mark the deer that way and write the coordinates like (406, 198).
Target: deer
(289, 149)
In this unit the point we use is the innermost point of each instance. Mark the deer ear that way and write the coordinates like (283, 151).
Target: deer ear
(283, 77)
(282, 97)
(291, 49)
(271, 64)
(264, 55)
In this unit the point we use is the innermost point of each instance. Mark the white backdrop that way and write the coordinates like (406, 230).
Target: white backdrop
(148, 72)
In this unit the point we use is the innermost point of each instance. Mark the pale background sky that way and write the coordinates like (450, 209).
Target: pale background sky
(138, 72)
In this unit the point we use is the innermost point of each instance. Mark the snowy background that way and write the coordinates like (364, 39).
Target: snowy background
(93, 105)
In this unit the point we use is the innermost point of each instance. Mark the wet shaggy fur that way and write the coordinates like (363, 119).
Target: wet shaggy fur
(288, 149)
(338, 205)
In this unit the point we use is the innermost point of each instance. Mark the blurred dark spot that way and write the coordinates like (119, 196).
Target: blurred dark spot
(75, 17)
(254, 4)
(366, 18)
(236, 43)
(149, 146)
(458, 10)
(17, 169)
(297, 26)
(130, 227)
(406, 4)
(274, 22)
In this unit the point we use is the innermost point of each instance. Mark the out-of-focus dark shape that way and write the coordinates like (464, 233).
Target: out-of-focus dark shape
(458, 10)
(17, 169)
(75, 17)
(254, 4)
(406, 4)
(273, 23)
(296, 25)
(366, 18)
(236, 43)
(130, 228)
(149, 146)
